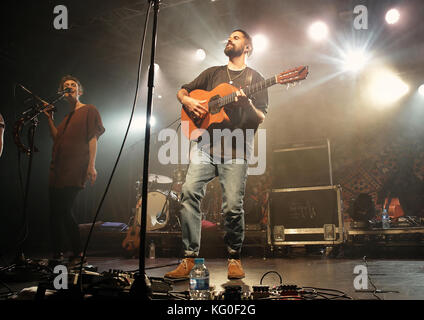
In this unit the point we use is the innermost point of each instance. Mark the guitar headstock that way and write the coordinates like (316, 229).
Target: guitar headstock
(293, 75)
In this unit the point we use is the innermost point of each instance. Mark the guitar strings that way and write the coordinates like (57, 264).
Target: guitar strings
(222, 101)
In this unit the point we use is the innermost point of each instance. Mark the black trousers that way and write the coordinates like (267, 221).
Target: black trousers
(62, 222)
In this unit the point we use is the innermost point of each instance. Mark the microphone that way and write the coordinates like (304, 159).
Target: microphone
(32, 94)
(66, 90)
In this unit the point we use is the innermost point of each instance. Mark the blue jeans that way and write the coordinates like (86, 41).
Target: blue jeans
(232, 177)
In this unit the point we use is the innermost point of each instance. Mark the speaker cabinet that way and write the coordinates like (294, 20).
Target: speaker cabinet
(306, 164)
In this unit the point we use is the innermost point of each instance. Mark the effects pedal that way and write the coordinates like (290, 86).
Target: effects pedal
(260, 292)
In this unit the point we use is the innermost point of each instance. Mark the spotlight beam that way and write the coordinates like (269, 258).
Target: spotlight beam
(318, 31)
(385, 87)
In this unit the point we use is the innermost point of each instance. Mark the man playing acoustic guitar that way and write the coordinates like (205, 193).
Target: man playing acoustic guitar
(221, 157)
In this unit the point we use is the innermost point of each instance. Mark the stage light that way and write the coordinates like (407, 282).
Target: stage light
(156, 67)
(355, 60)
(318, 31)
(421, 90)
(200, 54)
(386, 87)
(392, 16)
(260, 42)
(152, 121)
(139, 123)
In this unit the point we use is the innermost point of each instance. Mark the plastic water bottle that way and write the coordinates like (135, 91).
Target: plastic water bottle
(199, 281)
(385, 220)
(152, 250)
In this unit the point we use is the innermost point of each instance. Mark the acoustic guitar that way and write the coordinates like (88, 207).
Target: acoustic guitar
(132, 239)
(224, 94)
(395, 210)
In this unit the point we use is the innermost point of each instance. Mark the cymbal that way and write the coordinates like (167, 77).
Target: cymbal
(159, 179)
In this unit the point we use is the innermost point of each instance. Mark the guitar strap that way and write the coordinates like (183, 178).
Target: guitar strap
(249, 78)
(245, 121)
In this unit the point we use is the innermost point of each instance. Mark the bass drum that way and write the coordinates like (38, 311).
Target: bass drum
(157, 211)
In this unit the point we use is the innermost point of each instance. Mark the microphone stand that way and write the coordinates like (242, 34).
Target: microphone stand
(30, 115)
(141, 287)
(30, 152)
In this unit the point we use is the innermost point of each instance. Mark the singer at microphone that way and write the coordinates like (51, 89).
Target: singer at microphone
(72, 164)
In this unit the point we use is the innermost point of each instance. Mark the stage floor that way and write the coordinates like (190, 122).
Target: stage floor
(404, 278)
(394, 279)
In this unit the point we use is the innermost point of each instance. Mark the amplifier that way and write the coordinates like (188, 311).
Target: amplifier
(305, 216)
(303, 164)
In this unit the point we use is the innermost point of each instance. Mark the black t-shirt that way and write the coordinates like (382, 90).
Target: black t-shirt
(240, 117)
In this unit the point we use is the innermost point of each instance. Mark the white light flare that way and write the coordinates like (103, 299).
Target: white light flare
(318, 31)
(260, 43)
(200, 54)
(386, 87)
(139, 123)
(392, 16)
(355, 60)
(421, 90)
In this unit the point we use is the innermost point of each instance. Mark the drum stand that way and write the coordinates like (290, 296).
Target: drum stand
(178, 178)
(173, 225)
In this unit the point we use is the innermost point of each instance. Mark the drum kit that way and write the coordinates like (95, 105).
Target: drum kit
(163, 201)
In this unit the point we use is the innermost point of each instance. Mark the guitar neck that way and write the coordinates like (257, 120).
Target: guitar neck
(248, 90)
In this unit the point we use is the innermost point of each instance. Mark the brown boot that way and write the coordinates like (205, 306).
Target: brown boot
(182, 271)
(235, 270)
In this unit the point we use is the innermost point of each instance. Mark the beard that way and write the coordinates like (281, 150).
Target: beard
(231, 51)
